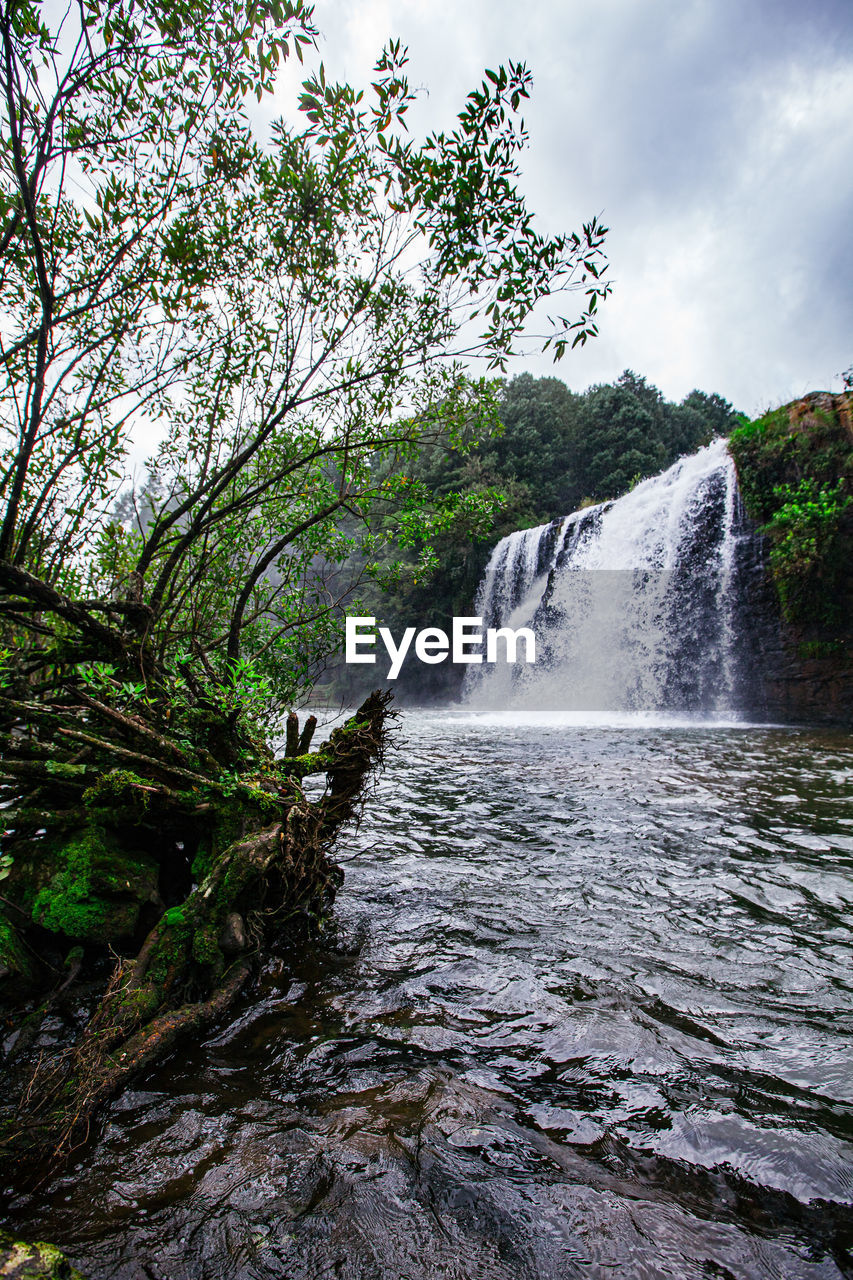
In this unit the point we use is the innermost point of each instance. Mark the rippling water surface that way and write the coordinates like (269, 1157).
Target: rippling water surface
(588, 1014)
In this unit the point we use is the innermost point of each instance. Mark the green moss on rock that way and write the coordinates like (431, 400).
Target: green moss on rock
(97, 890)
(40, 1261)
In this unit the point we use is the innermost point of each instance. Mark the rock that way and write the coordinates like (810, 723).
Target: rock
(233, 937)
(21, 1261)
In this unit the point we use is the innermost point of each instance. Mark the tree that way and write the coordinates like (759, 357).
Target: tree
(282, 317)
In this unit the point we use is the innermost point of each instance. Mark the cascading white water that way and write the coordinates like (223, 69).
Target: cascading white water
(515, 575)
(632, 602)
(511, 572)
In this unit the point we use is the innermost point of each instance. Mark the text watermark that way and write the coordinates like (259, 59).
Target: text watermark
(432, 644)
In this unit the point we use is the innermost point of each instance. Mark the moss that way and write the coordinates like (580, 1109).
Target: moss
(265, 802)
(228, 825)
(173, 946)
(312, 762)
(203, 859)
(139, 1004)
(247, 808)
(820, 649)
(33, 1261)
(118, 784)
(13, 955)
(206, 949)
(98, 890)
(67, 772)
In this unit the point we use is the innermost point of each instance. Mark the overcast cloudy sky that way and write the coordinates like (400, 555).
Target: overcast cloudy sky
(715, 137)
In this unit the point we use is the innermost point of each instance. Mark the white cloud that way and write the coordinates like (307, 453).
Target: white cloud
(717, 139)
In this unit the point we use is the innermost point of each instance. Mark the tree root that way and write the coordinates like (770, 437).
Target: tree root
(199, 955)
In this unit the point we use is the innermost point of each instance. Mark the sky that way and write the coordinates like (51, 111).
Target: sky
(713, 137)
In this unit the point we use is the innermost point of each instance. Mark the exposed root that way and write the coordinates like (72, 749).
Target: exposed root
(199, 955)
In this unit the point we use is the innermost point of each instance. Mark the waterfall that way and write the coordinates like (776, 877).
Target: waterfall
(634, 603)
(514, 579)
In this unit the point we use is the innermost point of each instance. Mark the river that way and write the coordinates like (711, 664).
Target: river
(587, 1013)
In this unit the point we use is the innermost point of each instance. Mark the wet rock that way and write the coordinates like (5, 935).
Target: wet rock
(232, 940)
(22, 1261)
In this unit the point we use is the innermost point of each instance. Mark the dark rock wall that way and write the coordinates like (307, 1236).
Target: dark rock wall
(790, 676)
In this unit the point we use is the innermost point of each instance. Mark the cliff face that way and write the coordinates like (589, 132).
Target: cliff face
(795, 472)
(814, 690)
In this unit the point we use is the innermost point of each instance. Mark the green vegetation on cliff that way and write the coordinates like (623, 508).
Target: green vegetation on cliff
(795, 471)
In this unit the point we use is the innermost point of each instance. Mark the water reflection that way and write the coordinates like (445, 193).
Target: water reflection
(588, 1014)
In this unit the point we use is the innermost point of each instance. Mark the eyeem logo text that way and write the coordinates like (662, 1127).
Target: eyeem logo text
(433, 645)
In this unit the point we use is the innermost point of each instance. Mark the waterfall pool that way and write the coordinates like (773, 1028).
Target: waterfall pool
(587, 1014)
